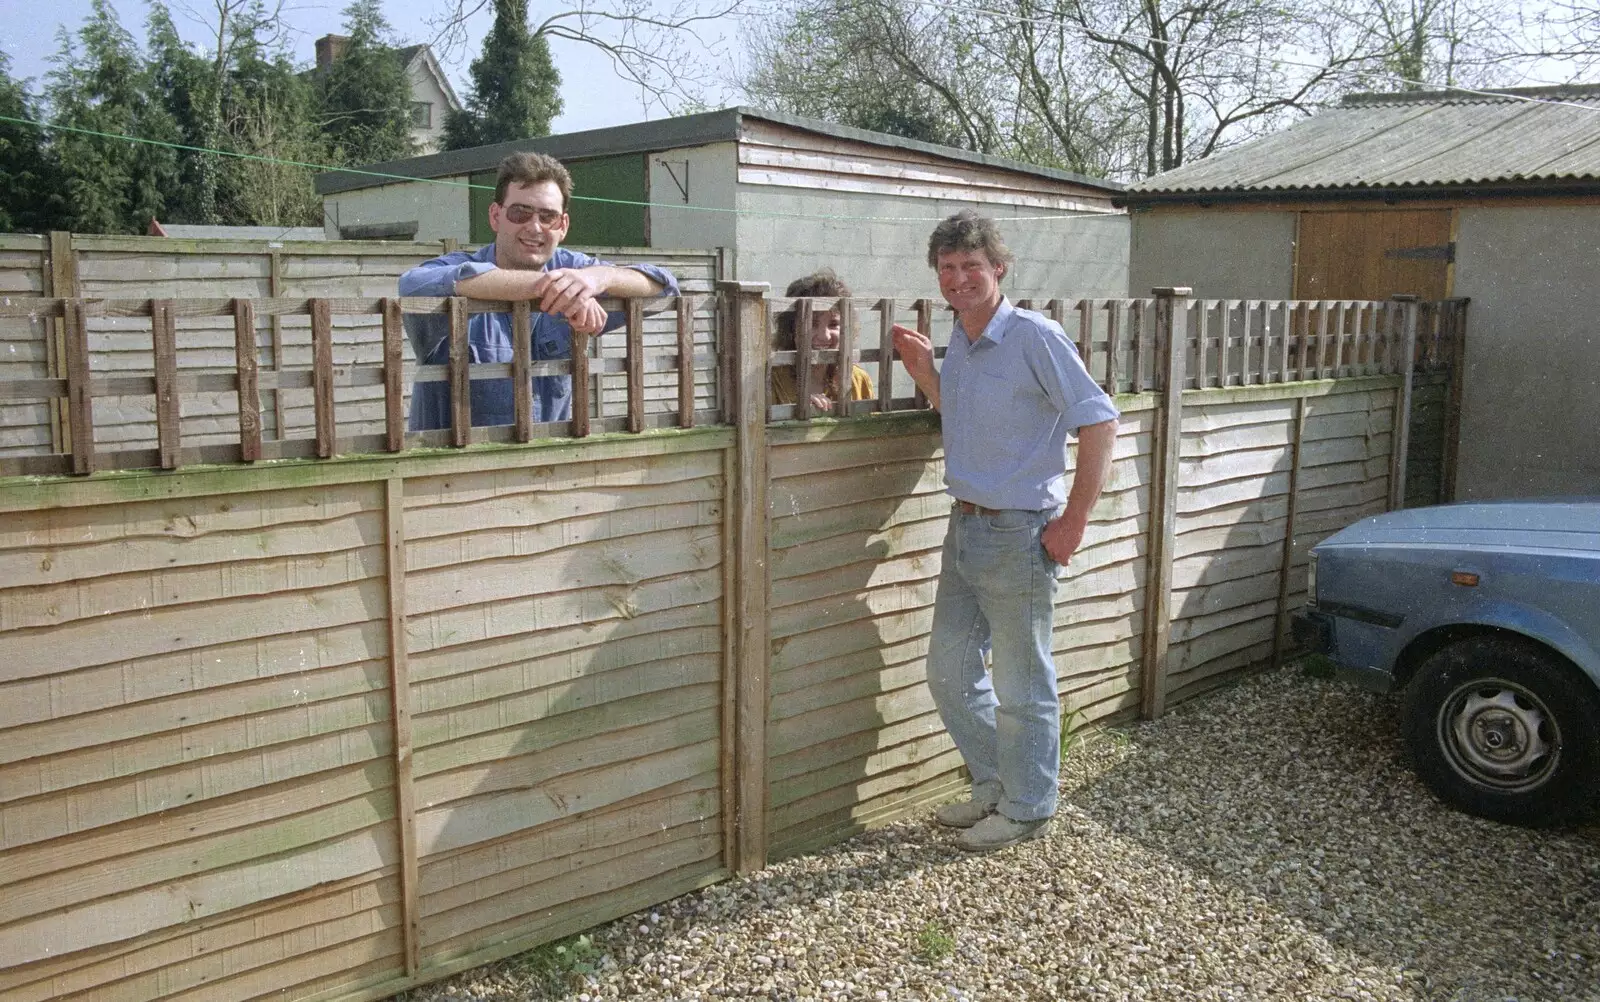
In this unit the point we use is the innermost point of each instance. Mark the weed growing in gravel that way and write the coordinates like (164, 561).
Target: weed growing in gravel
(934, 943)
(1318, 666)
(562, 965)
(1070, 734)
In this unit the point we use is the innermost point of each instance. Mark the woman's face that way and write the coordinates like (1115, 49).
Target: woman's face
(825, 330)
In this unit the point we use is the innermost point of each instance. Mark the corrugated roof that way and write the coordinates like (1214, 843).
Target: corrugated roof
(1410, 140)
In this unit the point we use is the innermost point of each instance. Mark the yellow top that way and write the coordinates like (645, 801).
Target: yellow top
(785, 391)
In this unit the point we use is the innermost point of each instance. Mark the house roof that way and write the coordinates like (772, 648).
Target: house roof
(412, 55)
(1421, 140)
(663, 134)
(407, 56)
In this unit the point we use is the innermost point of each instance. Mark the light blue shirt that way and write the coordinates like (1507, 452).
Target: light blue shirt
(1008, 402)
(489, 340)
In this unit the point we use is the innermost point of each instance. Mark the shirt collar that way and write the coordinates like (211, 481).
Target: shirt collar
(996, 331)
(486, 253)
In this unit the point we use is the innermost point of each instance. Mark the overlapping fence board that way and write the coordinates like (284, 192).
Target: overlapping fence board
(1234, 472)
(566, 668)
(856, 526)
(195, 691)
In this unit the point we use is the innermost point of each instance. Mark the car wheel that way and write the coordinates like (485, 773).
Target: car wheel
(1505, 729)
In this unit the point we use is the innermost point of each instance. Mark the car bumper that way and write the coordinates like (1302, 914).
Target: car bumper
(1313, 631)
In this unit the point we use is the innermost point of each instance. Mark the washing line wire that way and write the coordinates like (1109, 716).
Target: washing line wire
(1223, 50)
(489, 187)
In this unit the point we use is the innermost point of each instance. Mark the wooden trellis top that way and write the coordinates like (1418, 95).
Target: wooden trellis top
(1228, 343)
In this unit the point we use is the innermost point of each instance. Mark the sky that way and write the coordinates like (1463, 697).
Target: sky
(594, 95)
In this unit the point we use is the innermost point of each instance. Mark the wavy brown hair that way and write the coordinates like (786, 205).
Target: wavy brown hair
(531, 168)
(968, 231)
(818, 283)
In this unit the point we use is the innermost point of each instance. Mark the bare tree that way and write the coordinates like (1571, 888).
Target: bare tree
(1420, 44)
(673, 53)
(977, 79)
(1122, 88)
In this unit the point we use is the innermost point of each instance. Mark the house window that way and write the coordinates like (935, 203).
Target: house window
(421, 114)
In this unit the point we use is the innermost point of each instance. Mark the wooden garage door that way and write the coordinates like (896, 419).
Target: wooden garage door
(1374, 255)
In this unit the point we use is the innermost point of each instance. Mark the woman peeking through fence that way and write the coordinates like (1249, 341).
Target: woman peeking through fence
(824, 335)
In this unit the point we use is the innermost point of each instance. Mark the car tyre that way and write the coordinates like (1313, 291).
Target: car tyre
(1503, 728)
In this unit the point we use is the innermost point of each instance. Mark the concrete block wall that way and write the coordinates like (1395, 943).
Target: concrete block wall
(439, 209)
(781, 238)
(1532, 379)
(1219, 253)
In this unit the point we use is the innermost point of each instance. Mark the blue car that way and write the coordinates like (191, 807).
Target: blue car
(1486, 617)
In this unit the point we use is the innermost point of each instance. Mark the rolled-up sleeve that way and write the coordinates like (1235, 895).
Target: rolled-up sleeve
(1068, 384)
(659, 275)
(565, 258)
(439, 276)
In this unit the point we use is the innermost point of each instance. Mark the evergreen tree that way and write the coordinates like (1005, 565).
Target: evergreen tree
(30, 201)
(366, 99)
(516, 89)
(271, 114)
(183, 83)
(110, 185)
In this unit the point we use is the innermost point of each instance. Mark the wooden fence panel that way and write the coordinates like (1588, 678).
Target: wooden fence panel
(1233, 506)
(565, 663)
(857, 524)
(1100, 605)
(199, 692)
(24, 348)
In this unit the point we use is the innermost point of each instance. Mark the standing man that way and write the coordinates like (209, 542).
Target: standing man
(526, 261)
(1010, 390)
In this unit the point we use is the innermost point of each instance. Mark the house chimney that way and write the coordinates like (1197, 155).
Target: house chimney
(329, 48)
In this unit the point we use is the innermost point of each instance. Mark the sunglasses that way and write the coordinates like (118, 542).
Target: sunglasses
(519, 214)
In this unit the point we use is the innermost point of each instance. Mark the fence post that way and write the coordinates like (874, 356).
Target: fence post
(274, 290)
(1457, 341)
(1400, 438)
(400, 718)
(63, 278)
(746, 655)
(1286, 566)
(1172, 335)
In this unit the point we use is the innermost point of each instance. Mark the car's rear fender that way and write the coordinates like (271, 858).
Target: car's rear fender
(1502, 616)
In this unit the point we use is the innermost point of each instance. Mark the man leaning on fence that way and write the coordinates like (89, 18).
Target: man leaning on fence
(1010, 390)
(525, 261)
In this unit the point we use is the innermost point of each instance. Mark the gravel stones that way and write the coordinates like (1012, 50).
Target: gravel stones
(1267, 841)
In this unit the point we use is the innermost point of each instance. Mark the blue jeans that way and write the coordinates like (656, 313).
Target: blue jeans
(998, 586)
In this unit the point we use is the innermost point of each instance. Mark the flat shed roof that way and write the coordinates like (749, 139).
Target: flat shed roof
(664, 134)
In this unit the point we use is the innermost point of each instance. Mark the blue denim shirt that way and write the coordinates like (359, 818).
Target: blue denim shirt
(489, 340)
(1008, 401)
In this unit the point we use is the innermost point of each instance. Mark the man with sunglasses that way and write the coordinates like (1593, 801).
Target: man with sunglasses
(525, 261)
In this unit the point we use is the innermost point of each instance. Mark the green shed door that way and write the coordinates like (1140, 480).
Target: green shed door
(478, 198)
(601, 224)
(594, 224)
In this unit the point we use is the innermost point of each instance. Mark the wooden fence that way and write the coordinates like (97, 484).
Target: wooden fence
(133, 270)
(327, 729)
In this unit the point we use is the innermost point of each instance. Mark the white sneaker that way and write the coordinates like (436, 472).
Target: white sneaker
(998, 831)
(963, 814)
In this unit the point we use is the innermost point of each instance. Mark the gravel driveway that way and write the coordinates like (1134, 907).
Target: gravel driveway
(1267, 841)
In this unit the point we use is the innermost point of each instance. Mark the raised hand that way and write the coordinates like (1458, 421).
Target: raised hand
(916, 352)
